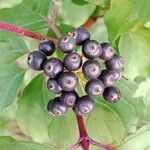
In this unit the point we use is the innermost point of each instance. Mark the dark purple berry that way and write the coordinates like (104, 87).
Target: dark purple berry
(53, 86)
(84, 105)
(81, 35)
(47, 47)
(53, 67)
(36, 60)
(91, 69)
(56, 108)
(94, 87)
(107, 51)
(69, 98)
(68, 81)
(115, 63)
(72, 61)
(112, 94)
(66, 44)
(117, 74)
(107, 78)
(91, 49)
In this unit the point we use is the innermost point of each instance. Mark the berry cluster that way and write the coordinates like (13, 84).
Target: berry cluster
(62, 75)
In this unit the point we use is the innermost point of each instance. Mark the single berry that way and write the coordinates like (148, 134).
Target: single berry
(91, 49)
(112, 94)
(91, 69)
(107, 78)
(115, 63)
(53, 86)
(68, 81)
(36, 60)
(55, 107)
(107, 51)
(47, 47)
(66, 44)
(84, 105)
(69, 98)
(72, 61)
(53, 67)
(94, 87)
(117, 74)
(81, 35)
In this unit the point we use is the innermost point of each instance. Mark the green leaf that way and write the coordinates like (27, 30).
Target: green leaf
(63, 131)
(114, 121)
(9, 3)
(11, 46)
(7, 143)
(134, 47)
(32, 115)
(138, 141)
(102, 3)
(29, 14)
(73, 14)
(11, 78)
(126, 15)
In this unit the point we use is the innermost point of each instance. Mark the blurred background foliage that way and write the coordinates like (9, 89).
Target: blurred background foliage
(24, 96)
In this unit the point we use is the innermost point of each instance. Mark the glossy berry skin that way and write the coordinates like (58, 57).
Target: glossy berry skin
(55, 107)
(115, 63)
(53, 67)
(66, 44)
(117, 74)
(68, 81)
(53, 86)
(107, 51)
(81, 35)
(91, 49)
(72, 61)
(36, 60)
(69, 98)
(107, 78)
(84, 105)
(91, 69)
(112, 94)
(47, 47)
(94, 87)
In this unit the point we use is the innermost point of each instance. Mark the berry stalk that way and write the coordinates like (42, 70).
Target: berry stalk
(22, 31)
(83, 133)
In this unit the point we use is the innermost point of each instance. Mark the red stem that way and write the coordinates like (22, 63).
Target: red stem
(83, 133)
(22, 31)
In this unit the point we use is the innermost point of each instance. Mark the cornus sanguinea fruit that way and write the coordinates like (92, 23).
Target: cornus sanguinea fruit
(66, 44)
(72, 61)
(68, 81)
(36, 60)
(91, 49)
(63, 75)
(116, 62)
(47, 47)
(56, 108)
(107, 51)
(91, 69)
(53, 67)
(81, 35)
(112, 94)
(53, 86)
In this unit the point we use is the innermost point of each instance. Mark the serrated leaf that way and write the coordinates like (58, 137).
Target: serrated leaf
(7, 143)
(112, 122)
(29, 14)
(63, 131)
(32, 115)
(74, 14)
(124, 16)
(11, 46)
(11, 78)
(134, 47)
(138, 141)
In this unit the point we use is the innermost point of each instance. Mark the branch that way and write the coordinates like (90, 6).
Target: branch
(22, 31)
